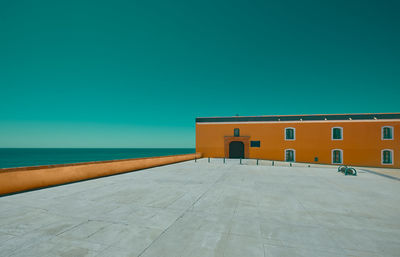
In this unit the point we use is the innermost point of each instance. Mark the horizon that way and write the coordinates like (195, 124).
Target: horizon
(136, 74)
(96, 148)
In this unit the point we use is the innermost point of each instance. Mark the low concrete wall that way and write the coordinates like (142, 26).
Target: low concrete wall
(25, 178)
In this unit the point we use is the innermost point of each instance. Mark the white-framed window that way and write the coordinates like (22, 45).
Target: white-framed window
(290, 155)
(387, 133)
(387, 156)
(337, 133)
(290, 134)
(337, 156)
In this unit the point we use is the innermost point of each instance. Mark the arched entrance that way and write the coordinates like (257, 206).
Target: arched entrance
(236, 149)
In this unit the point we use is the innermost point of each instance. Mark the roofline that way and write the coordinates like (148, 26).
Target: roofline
(301, 117)
(315, 114)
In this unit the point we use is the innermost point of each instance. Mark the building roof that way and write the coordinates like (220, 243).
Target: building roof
(307, 117)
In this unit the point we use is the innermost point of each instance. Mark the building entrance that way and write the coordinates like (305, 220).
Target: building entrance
(236, 149)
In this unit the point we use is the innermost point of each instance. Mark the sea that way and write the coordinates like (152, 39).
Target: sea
(23, 157)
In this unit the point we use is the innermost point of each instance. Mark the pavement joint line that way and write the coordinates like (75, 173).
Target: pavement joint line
(259, 227)
(71, 228)
(184, 212)
(97, 231)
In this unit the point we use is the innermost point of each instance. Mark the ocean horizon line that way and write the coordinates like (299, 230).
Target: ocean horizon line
(25, 157)
(97, 147)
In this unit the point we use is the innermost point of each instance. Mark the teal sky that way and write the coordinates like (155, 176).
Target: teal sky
(137, 73)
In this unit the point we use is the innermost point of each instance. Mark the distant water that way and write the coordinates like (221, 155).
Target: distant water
(21, 157)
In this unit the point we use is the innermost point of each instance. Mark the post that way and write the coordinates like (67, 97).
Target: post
(272, 163)
(240, 160)
(224, 159)
(290, 164)
(257, 162)
(195, 159)
(208, 159)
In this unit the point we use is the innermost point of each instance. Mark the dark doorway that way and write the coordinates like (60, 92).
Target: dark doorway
(236, 149)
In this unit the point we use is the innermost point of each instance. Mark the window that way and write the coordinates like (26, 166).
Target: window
(254, 143)
(289, 155)
(387, 133)
(337, 133)
(387, 156)
(337, 156)
(236, 132)
(290, 134)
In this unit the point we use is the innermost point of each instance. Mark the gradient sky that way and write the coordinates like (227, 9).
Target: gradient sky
(131, 73)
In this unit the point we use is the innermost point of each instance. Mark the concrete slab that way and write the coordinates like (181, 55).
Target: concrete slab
(208, 209)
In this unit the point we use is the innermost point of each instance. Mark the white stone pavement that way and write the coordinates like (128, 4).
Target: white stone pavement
(207, 209)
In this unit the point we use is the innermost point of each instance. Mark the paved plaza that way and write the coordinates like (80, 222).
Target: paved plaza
(201, 209)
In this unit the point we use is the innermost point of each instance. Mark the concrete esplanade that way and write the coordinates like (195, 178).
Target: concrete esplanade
(208, 208)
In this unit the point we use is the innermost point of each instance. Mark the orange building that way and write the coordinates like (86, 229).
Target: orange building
(350, 139)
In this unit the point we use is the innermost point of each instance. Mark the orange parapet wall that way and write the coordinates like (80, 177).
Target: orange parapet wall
(26, 178)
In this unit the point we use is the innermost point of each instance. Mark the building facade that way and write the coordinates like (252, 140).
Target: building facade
(350, 139)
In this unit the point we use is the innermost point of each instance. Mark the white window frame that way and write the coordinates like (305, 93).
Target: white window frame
(392, 156)
(341, 133)
(382, 132)
(294, 155)
(294, 134)
(341, 155)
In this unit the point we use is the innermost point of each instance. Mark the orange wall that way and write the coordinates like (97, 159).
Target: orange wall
(26, 178)
(361, 144)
